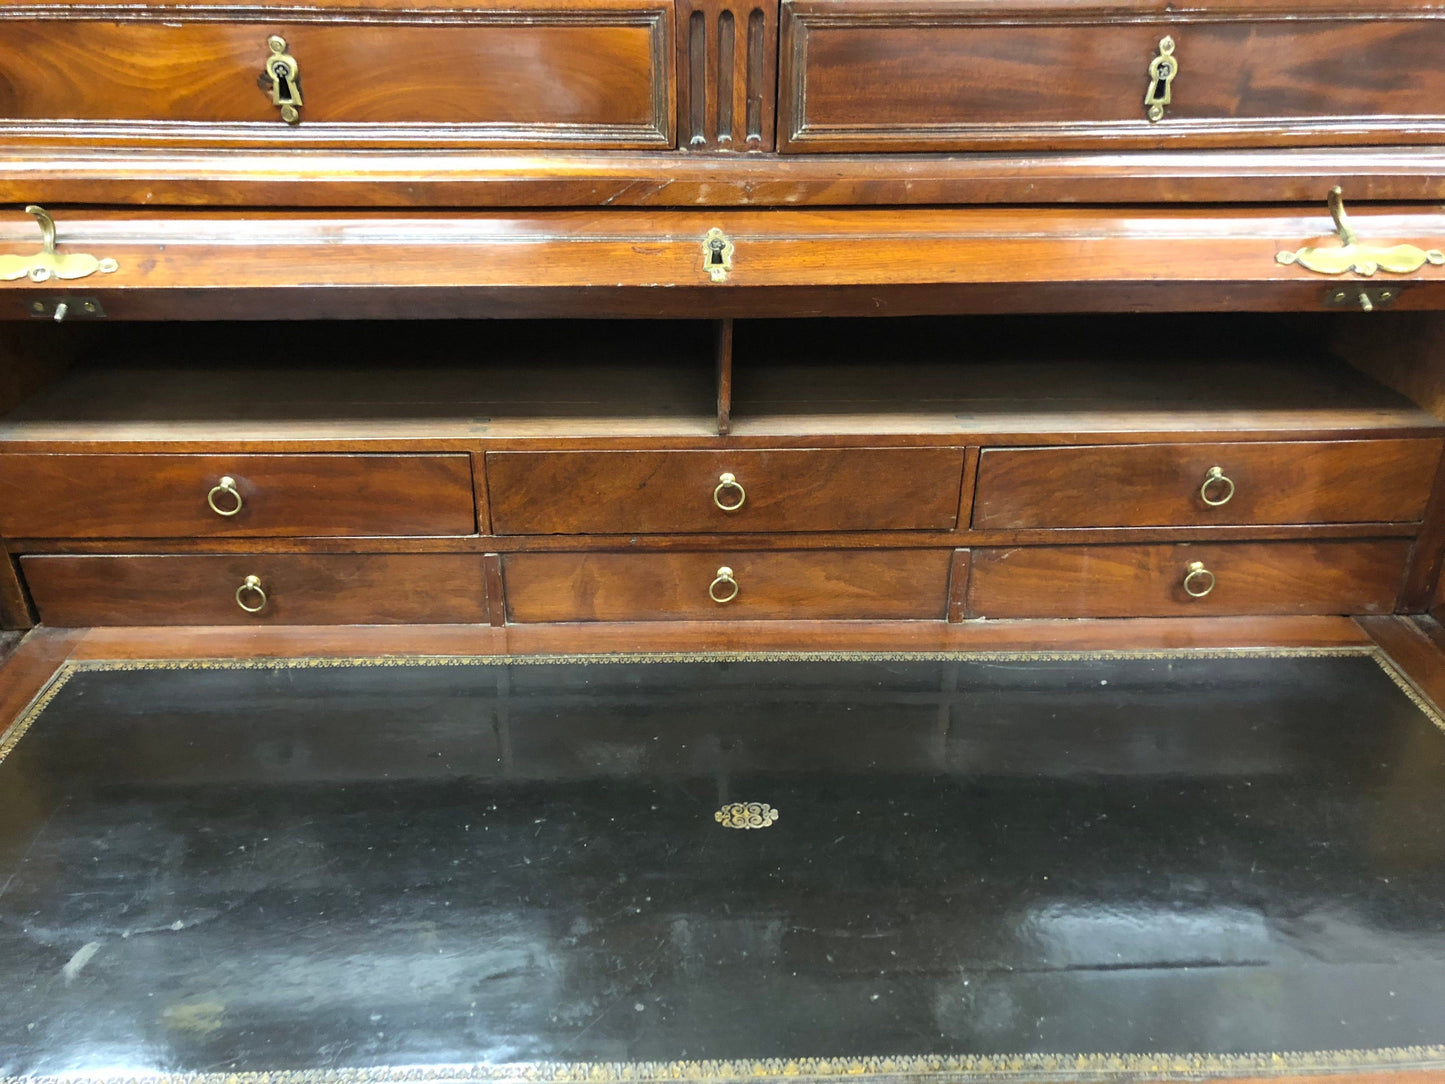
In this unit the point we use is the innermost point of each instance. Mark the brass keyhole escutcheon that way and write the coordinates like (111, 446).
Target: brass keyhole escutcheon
(284, 76)
(1162, 70)
(717, 255)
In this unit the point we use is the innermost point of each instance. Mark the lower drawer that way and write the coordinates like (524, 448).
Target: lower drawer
(657, 586)
(1191, 578)
(289, 589)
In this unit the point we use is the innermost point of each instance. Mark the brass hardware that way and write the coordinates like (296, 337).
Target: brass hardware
(66, 308)
(1217, 477)
(729, 482)
(284, 76)
(47, 263)
(253, 585)
(717, 254)
(1366, 299)
(226, 487)
(1199, 572)
(724, 579)
(1352, 255)
(1162, 70)
(746, 815)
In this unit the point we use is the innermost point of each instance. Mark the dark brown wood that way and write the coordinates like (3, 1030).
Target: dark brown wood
(867, 584)
(943, 75)
(1415, 651)
(958, 585)
(14, 606)
(1423, 577)
(1163, 485)
(151, 496)
(27, 670)
(1136, 581)
(727, 57)
(724, 377)
(527, 74)
(496, 590)
(795, 490)
(300, 589)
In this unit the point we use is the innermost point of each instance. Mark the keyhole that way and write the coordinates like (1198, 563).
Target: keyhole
(1161, 84)
(717, 254)
(283, 82)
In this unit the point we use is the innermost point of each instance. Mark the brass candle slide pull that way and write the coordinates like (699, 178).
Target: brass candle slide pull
(48, 263)
(1355, 255)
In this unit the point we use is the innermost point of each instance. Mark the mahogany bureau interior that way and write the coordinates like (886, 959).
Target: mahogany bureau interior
(598, 326)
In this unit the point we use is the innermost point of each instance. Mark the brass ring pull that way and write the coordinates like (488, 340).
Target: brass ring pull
(724, 579)
(1197, 575)
(1217, 477)
(225, 487)
(729, 481)
(251, 584)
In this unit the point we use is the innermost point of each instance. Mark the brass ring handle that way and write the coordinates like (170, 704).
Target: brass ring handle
(1216, 476)
(253, 585)
(225, 487)
(1197, 571)
(729, 481)
(724, 578)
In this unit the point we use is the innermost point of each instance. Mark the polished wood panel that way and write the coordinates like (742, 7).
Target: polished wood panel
(866, 584)
(1163, 484)
(532, 74)
(153, 496)
(27, 670)
(300, 589)
(1137, 581)
(1416, 647)
(14, 606)
(819, 489)
(943, 75)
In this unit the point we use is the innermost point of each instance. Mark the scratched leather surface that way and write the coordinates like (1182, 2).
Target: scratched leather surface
(211, 869)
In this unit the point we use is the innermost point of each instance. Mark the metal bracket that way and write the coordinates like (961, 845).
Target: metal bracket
(1364, 298)
(1354, 255)
(47, 263)
(66, 308)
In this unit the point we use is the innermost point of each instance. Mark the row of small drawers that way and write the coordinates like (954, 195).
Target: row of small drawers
(1349, 577)
(646, 492)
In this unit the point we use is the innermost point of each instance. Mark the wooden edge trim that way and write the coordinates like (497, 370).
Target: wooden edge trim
(1422, 574)
(496, 592)
(479, 490)
(15, 609)
(27, 671)
(725, 376)
(1415, 649)
(958, 585)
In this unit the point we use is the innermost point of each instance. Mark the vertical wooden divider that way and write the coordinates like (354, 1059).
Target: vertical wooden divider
(496, 592)
(725, 376)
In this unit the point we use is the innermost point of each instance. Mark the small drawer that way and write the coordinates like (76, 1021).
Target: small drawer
(234, 496)
(814, 489)
(1188, 579)
(958, 75)
(834, 584)
(532, 73)
(258, 589)
(1166, 485)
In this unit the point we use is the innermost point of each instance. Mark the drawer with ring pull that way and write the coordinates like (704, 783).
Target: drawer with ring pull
(1333, 577)
(723, 585)
(176, 496)
(1167, 485)
(812, 489)
(259, 589)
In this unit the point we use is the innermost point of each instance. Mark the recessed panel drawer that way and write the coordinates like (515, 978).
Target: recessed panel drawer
(1163, 485)
(218, 496)
(1193, 579)
(718, 585)
(263, 589)
(870, 75)
(814, 489)
(530, 74)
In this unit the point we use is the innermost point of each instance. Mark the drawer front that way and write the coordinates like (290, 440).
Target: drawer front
(874, 76)
(1149, 581)
(172, 496)
(656, 586)
(1165, 485)
(525, 75)
(817, 489)
(294, 589)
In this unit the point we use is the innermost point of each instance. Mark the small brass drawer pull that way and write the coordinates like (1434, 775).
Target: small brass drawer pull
(724, 580)
(728, 483)
(251, 588)
(1218, 488)
(1198, 581)
(225, 488)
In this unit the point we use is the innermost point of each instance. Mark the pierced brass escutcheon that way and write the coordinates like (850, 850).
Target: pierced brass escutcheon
(746, 815)
(1162, 70)
(49, 264)
(1354, 255)
(717, 254)
(284, 76)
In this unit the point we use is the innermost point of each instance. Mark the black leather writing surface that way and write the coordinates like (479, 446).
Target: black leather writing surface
(293, 866)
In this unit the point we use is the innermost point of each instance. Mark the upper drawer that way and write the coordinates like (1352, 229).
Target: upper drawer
(1169, 485)
(870, 75)
(521, 75)
(817, 489)
(168, 496)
